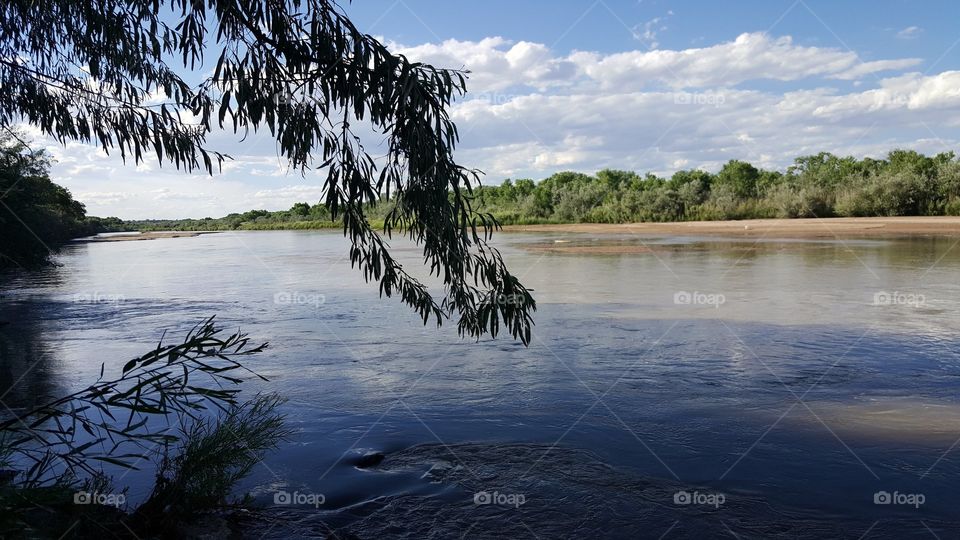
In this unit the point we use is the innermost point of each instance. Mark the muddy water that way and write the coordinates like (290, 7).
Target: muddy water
(685, 387)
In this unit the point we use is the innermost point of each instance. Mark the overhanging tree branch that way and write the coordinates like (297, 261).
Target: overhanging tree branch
(266, 51)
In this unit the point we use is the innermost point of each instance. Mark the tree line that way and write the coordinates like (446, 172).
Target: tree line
(37, 215)
(905, 183)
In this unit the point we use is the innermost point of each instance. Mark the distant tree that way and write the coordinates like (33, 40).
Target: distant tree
(300, 209)
(825, 170)
(684, 177)
(910, 161)
(563, 179)
(524, 187)
(767, 180)
(36, 215)
(739, 176)
(575, 201)
(691, 193)
(651, 182)
(253, 215)
(116, 72)
(539, 203)
(506, 192)
(944, 158)
(319, 212)
(615, 180)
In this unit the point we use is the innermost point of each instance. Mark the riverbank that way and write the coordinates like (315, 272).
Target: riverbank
(826, 228)
(796, 228)
(133, 236)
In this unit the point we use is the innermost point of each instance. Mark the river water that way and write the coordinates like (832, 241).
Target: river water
(686, 388)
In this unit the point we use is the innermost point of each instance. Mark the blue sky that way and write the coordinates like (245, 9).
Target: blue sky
(868, 27)
(649, 85)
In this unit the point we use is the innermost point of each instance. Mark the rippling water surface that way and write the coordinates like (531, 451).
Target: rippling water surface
(785, 383)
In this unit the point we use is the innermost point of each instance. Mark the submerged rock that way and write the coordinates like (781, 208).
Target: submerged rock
(368, 460)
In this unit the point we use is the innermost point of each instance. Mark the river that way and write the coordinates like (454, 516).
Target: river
(682, 388)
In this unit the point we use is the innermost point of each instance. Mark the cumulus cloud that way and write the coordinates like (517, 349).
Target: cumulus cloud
(870, 68)
(655, 130)
(497, 64)
(750, 57)
(532, 112)
(908, 93)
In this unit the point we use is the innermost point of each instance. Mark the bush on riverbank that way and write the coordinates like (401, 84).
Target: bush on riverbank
(52, 457)
(37, 215)
(906, 183)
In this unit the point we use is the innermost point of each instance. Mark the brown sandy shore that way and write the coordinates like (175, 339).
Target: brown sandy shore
(826, 228)
(142, 236)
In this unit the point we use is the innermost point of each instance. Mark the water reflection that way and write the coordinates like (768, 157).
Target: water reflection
(30, 367)
(800, 394)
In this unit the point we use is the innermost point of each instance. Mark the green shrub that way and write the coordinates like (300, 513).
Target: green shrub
(59, 448)
(215, 454)
(952, 207)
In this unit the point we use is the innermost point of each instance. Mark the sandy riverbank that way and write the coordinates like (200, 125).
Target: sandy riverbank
(826, 228)
(142, 236)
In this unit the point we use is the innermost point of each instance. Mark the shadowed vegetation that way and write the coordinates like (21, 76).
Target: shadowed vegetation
(37, 215)
(174, 409)
(156, 78)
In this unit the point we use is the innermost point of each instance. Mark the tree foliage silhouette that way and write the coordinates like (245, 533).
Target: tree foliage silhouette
(135, 77)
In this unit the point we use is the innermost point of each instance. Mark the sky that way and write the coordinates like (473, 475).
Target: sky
(643, 85)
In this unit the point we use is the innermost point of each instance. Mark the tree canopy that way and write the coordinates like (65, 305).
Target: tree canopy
(906, 183)
(158, 77)
(36, 214)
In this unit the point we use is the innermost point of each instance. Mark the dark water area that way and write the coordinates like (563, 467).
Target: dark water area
(707, 388)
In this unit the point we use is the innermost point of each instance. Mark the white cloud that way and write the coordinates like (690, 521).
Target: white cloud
(647, 32)
(532, 112)
(498, 64)
(910, 32)
(654, 130)
(871, 68)
(102, 199)
(285, 196)
(912, 92)
(495, 63)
